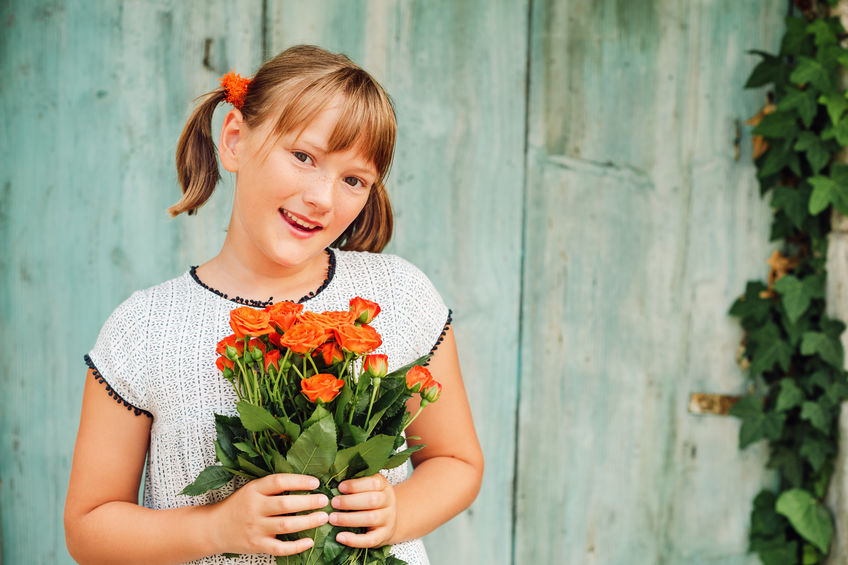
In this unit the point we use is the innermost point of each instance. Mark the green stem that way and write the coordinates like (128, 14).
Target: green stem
(420, 408)
(370, 404)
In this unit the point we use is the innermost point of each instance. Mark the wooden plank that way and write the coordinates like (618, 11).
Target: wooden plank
(456, 73)
(641, 229)
(95, 97)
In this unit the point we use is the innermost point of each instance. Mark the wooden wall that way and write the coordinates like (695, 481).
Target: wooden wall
(565, 174)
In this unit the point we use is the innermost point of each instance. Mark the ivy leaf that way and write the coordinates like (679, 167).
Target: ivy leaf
(807, 516)
(756, 423)
(823, 33)
(768, 349)
(795, 39)
(810, 71)
(802, 100)
(788, 463)
(765, 521)
(829, 190)
(826, 347)
(841, 131)
(790, 395)
(794, 295)
(776, 550)
(793, 202)
(816, 451)
(767, 71)
(814, 414)
(777, 125)
(836, 104)
(811, 555)
(816, 150)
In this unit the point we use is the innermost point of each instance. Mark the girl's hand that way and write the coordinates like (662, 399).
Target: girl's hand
(249, 520)
(371, 504)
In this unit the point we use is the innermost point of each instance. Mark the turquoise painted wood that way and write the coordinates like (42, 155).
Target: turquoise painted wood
(640, 230)
(565, 174)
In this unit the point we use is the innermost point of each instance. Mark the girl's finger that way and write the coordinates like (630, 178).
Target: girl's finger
(285, 482)
(291, 524)
(374, 482)
(370, 539)
(291, 503)
(279, 547)
(360, 501)
(364, 519)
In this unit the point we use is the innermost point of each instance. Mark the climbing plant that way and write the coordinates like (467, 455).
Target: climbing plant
(792, 349)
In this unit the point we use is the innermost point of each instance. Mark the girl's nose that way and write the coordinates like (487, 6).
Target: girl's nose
(319, 193)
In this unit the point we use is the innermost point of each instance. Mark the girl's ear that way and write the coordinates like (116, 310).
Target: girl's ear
(232, 132)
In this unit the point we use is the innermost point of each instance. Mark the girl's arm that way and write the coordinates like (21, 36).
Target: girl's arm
(105, 524)
(447, 475)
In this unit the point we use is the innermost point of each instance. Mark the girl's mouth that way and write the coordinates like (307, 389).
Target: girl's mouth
(297, 223)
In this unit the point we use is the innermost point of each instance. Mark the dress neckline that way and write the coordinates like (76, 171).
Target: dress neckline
(331, 271)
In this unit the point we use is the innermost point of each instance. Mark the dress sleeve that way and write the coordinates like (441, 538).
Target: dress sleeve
(423, 316)
(118, 359)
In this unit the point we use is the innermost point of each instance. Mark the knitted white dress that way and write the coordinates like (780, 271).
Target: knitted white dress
(156, 355)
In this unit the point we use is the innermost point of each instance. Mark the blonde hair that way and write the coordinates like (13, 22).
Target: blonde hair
(294, 87)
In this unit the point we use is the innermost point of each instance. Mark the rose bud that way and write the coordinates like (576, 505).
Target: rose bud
(418, 378)
(363, 310)
(232, 353)
(272, 358)
(256, 348)
(376, 365)
(431, 394)
(225, 366)
(331, 353)
(231, 341)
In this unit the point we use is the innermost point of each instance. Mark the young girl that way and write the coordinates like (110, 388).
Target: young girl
(310, 141)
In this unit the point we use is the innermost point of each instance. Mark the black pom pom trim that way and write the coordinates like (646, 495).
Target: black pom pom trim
(442, 335)
(331, 271)
(112, 392)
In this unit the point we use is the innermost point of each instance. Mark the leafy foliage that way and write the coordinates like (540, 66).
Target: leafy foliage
(791, 348)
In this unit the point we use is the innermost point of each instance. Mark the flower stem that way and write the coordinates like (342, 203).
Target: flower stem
(420, 408)
(373, 397)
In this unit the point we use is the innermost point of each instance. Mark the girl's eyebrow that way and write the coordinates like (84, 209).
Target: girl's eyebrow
(319, 148)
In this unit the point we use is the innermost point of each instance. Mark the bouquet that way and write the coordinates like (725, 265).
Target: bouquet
(313, 399)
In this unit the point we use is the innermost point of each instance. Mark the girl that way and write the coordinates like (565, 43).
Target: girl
(310, 141)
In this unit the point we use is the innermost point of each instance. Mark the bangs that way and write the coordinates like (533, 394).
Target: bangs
(367, 120)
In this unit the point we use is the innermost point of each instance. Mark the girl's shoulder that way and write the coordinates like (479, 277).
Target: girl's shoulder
(141, 303)
(365, 263)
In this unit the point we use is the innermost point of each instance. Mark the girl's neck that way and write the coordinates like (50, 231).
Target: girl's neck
(231, 274)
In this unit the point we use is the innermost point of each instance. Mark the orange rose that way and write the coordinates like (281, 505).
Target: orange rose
(376, 365)
(419, 378)
(256, 343)
(363, 310)
(231, 341)
(358, 339)
(329, 320)
(246, 321)
(321, 387)
(223, 363)
(331, 353)
(272, 358)
(284, 314)
(304, 336)
(431, 393)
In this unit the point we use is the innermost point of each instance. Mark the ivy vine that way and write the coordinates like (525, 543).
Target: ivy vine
(791, 348)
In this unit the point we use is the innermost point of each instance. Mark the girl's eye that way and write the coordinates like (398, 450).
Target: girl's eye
(301, 156)
(354, 182)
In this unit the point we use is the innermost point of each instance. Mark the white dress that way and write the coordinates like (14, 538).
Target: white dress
(156, 355)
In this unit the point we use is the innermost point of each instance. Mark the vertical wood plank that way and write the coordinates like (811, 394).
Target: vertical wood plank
(456, 72)
(641, 229)
(95, 97)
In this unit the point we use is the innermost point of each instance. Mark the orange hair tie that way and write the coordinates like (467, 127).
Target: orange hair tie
(236, 88)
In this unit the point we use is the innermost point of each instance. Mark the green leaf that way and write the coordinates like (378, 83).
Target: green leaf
(793, 202)
(764, 520)
(333, 551)
(816, 451)
(777, 125)
(375, 452)
(790, 395)
(807, 516)
(767, 349)
(258, 419)
(756, 423)
(401, 457)
(777, 551)
(292, 430)
(794, 296)
(816, 150)
(811, 555)
(251, 467)
(841, 132)
(210, 478)
(788, 463)
(342, 400)
(751, 308)
(222, 456)
(823, 33)
(826, 347)
(352, 435)
(814, 414)
(811, 71)
(315, 449)
(795, 39)
(832, 189)
(767, 71)
(280, 463)
(245, 447)
(802, 100)
(317, 414)
(836, 104)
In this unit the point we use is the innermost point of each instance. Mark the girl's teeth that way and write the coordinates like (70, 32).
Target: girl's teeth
(299, 222)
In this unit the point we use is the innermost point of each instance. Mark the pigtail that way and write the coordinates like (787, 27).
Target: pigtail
(372, 228)
(197, 159)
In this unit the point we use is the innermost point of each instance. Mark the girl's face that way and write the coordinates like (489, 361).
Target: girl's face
(293, 199)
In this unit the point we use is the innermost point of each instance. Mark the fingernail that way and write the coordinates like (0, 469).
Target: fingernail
(322, 499)
(335, 502)
(315, 483)
(323, 518)
(333, 517)
(341, 538)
